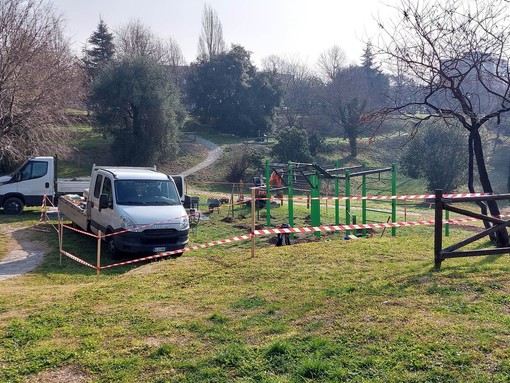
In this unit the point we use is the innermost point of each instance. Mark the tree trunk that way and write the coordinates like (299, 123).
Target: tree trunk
(353, 145)
(471, 186)
(502, 239)
(508, 182)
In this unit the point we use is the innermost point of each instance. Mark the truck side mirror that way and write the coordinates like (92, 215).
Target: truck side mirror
(103, 201)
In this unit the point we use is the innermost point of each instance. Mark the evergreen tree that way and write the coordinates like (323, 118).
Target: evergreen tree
(292, 145)
(228, 92)
(367, 58)
(136, 102)
(439, 158)
(102, 49)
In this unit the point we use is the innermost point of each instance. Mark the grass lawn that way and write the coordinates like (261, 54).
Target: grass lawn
(321, 310)
(330, 310)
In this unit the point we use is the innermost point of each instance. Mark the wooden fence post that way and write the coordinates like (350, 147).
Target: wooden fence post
(60, 238)
(438, 228)
(253, 202)
(98, 262)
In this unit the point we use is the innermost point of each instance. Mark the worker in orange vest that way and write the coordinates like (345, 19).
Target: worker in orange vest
(276, 180)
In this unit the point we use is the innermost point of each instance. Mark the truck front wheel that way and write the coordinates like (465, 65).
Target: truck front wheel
(13, 205)
(113, 252)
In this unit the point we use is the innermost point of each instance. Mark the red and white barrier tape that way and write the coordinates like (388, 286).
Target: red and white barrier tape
(174, 252)
(384, 197)
(309, 229)
(312, 229)
(79, 260)
(43, 209)
(80, 231)
(402, 197)
(44, 215)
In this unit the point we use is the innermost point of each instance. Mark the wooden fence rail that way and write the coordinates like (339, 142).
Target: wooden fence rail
(452, 251)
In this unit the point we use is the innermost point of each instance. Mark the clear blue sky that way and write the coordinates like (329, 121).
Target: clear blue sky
(288, 28)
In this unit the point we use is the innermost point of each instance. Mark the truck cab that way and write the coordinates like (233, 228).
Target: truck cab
(32, 181)
(139, 209)
(27, 185)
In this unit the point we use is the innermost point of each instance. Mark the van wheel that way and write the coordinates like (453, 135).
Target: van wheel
(13, 205)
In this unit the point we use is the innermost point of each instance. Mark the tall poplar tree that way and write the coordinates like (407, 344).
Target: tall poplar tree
(210, 42)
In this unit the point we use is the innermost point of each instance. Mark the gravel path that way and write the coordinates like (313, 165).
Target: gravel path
(214, 154)
(27, 254)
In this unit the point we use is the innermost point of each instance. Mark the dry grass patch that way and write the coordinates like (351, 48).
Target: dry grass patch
(66, 374)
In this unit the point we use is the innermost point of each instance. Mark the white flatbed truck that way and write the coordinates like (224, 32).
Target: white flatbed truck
(140, 204)
(33, 180)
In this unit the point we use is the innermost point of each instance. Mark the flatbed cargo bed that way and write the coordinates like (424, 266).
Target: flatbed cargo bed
(74, 207)
(72, 186)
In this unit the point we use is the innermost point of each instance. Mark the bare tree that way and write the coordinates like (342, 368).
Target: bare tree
(210, 42)
(351, 99)
(136, 39)
(39, 80)
(172, 53)
(173, 58)
(331, 61)
(457, 53)
(299, 87)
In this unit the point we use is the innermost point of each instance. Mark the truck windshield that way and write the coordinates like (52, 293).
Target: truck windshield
(146, 192)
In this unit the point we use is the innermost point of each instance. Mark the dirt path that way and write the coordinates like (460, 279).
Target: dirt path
(26, 254)
(214, 155)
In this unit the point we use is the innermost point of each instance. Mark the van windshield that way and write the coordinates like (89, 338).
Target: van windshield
(146, 192)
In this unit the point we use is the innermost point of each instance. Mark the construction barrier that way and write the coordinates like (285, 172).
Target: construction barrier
(392, 197)
(43, 218)
(175, 252)
(254, 233)
(374, 197)
(308, 229)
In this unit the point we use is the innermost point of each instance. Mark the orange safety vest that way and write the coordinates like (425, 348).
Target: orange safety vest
(275, 179)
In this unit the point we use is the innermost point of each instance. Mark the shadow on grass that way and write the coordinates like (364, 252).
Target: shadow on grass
(79, 245)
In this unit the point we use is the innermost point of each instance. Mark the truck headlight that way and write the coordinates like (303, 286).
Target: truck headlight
(184, 223)
(128, 224)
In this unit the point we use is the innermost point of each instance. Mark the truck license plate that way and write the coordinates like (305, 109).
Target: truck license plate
(159, 249)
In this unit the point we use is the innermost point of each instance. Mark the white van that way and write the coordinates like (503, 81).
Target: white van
(141, 204)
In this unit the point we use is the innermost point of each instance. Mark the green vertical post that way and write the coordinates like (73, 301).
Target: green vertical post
(347, 201)
(364, 201)
(291, 197)
(315, 204)
(268, 195)
(447, 225)
(394, 199)
(337, 197)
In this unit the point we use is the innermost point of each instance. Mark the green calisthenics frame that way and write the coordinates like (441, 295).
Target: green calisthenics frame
(364, 173)
(313, 174)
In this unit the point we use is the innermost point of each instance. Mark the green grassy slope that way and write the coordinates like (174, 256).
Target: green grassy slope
(326, 311)
(321, 310)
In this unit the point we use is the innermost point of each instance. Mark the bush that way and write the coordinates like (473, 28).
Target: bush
(239, 160)
(438, 154)
(292, 145)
